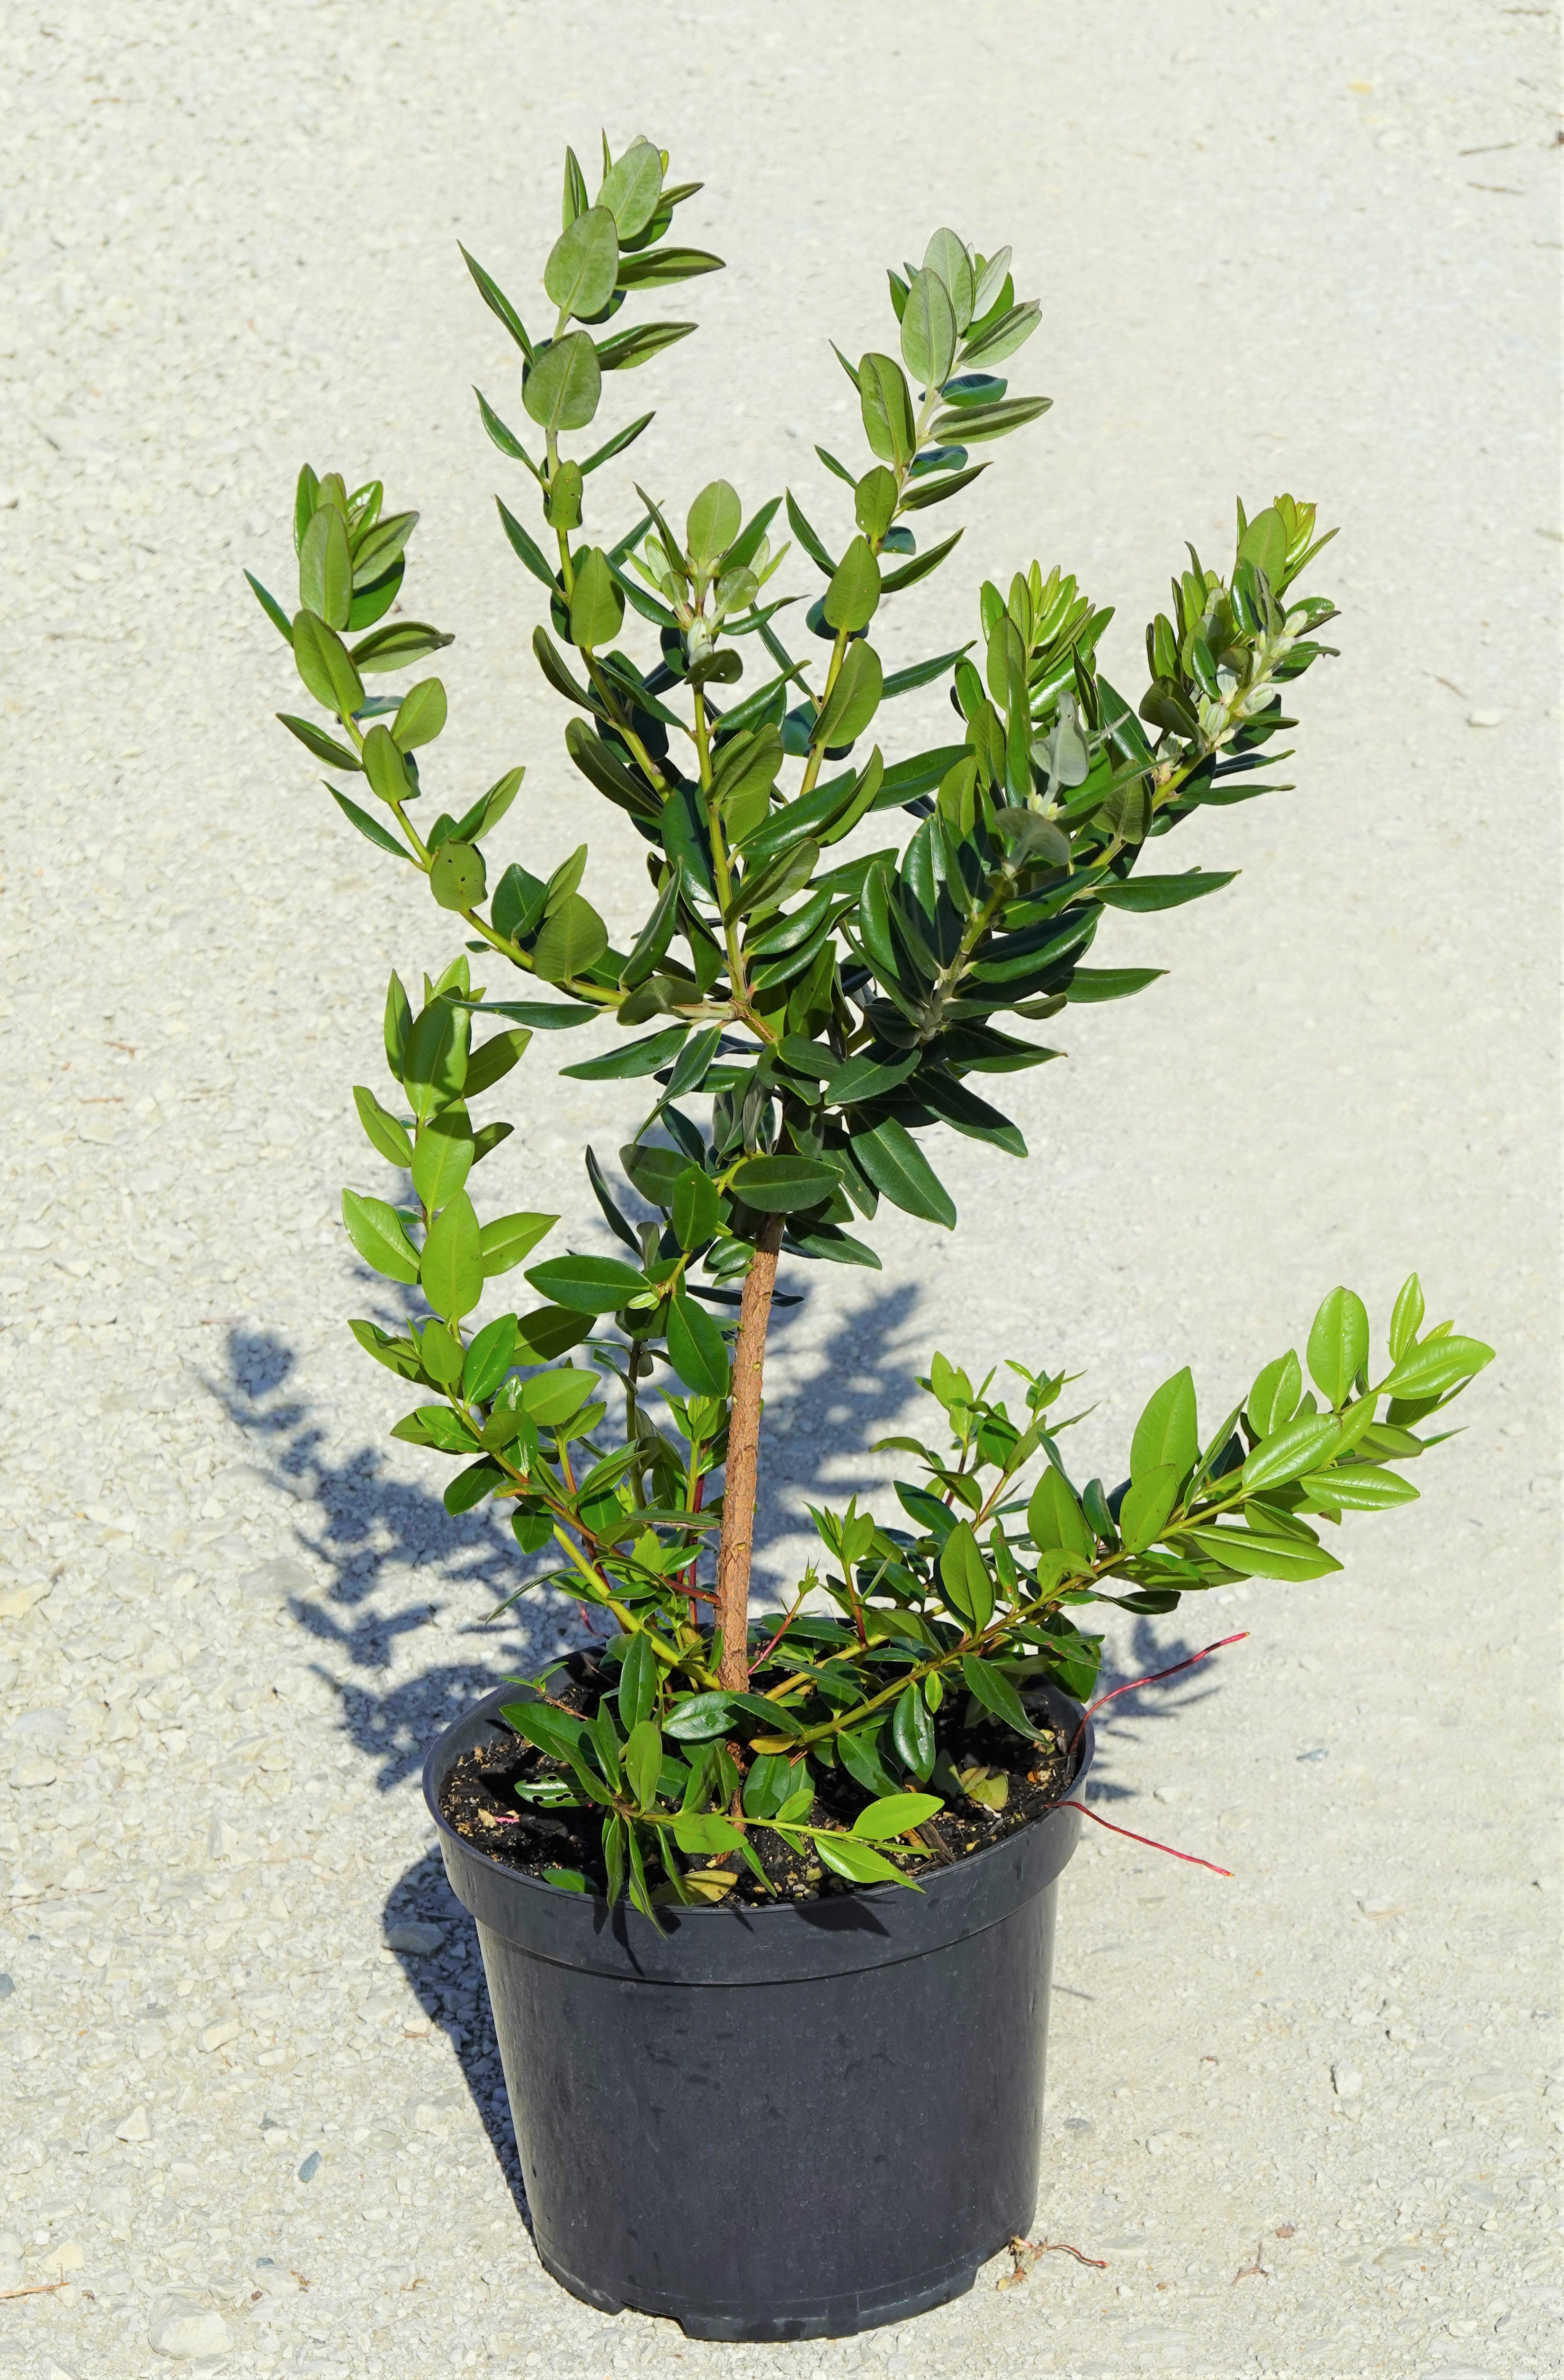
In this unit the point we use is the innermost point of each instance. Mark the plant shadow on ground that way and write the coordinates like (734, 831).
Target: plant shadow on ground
(364, 1526)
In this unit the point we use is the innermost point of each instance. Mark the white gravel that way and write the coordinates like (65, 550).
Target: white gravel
(1306, 2116)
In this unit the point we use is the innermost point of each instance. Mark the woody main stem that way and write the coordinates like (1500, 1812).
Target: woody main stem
(743, 1459)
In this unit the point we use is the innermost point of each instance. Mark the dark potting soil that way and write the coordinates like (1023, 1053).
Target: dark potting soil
(480, 1801)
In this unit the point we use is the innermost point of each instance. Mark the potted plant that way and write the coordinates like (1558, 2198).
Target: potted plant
(767, 1905)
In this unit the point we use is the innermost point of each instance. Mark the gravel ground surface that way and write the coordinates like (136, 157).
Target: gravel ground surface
(1307, 2119)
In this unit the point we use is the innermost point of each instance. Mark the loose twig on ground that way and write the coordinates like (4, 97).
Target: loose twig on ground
(36, 2289)
(1026, 2253)
(1254, 2272)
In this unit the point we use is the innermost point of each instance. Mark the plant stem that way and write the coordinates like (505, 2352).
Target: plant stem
(743, 1459)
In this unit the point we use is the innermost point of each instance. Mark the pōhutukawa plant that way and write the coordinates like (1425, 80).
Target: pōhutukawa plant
(812, 1021)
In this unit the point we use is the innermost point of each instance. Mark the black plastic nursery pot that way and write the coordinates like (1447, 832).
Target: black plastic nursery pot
(788, 2122)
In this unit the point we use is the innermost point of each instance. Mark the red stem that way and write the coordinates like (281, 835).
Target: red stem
(1151, 1679)
(1146, 1840)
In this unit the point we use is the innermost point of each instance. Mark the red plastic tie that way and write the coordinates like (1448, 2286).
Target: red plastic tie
(1148, 1840)
(1152, 1679)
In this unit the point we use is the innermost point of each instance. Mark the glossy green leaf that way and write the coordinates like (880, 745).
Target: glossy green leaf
(379, 1236)
(456, 877)
(993, 1690)
(563, 386)
(325, 568)
(1168, 1431)
(1358, 1487)
(628, 350)
(970, 422)
(497, 302)
(380, 546)
(1054, 1518)
(323, 661)
(887, 408)
(1143, 895)
(443, 1157)
(1273, 1399)
(420, 715)
(697, 1719)
(573, 939)
(488, 1359)
(397, 645)
(964, 1576)
(697, 1348)
(508, 1238)
(370, 828)
(654, 268)
(315, 739)
(524, 547)
(848, 1856)
(715, 519)
(1256, 1556)
(583, 264)
(554, 1398)
(272, 608)
(597, 607)
(894, 1814)
(1295, 1448)
(779, 1185)
(589, 1284)
(852, 597)
(451, 1271)
(928, 330)
(900, 1171)
(643, 1760)
(1337, 1347)
(434, 1063)
(1406, 1318)
(911, 1730)
(632, 186)
(548, 1331)
(920, 567)
(1148, 1504)
(946, 256)
(385, 1132)
(1110, 983)
(853, 700)
(487, 1066)
(636, 1059)
(1438, 1364)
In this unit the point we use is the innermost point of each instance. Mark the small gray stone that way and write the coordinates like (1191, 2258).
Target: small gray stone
(417, 1939)
(310, 2167)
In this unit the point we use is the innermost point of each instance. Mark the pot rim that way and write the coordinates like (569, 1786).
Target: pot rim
(748, 1911)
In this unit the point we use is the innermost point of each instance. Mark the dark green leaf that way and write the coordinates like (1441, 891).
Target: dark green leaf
(497, 303)
(900, 1171)
(587, 1284)
(1143, 894)
(993, 1690)
(697, 1348)
(314, 739)
(372, 828)
(524, 546)
(776, 1185)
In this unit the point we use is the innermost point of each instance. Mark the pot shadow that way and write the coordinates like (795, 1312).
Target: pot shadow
(440, 1982)
(366, 1528)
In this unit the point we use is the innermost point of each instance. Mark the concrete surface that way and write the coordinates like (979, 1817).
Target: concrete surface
(1308, 248)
